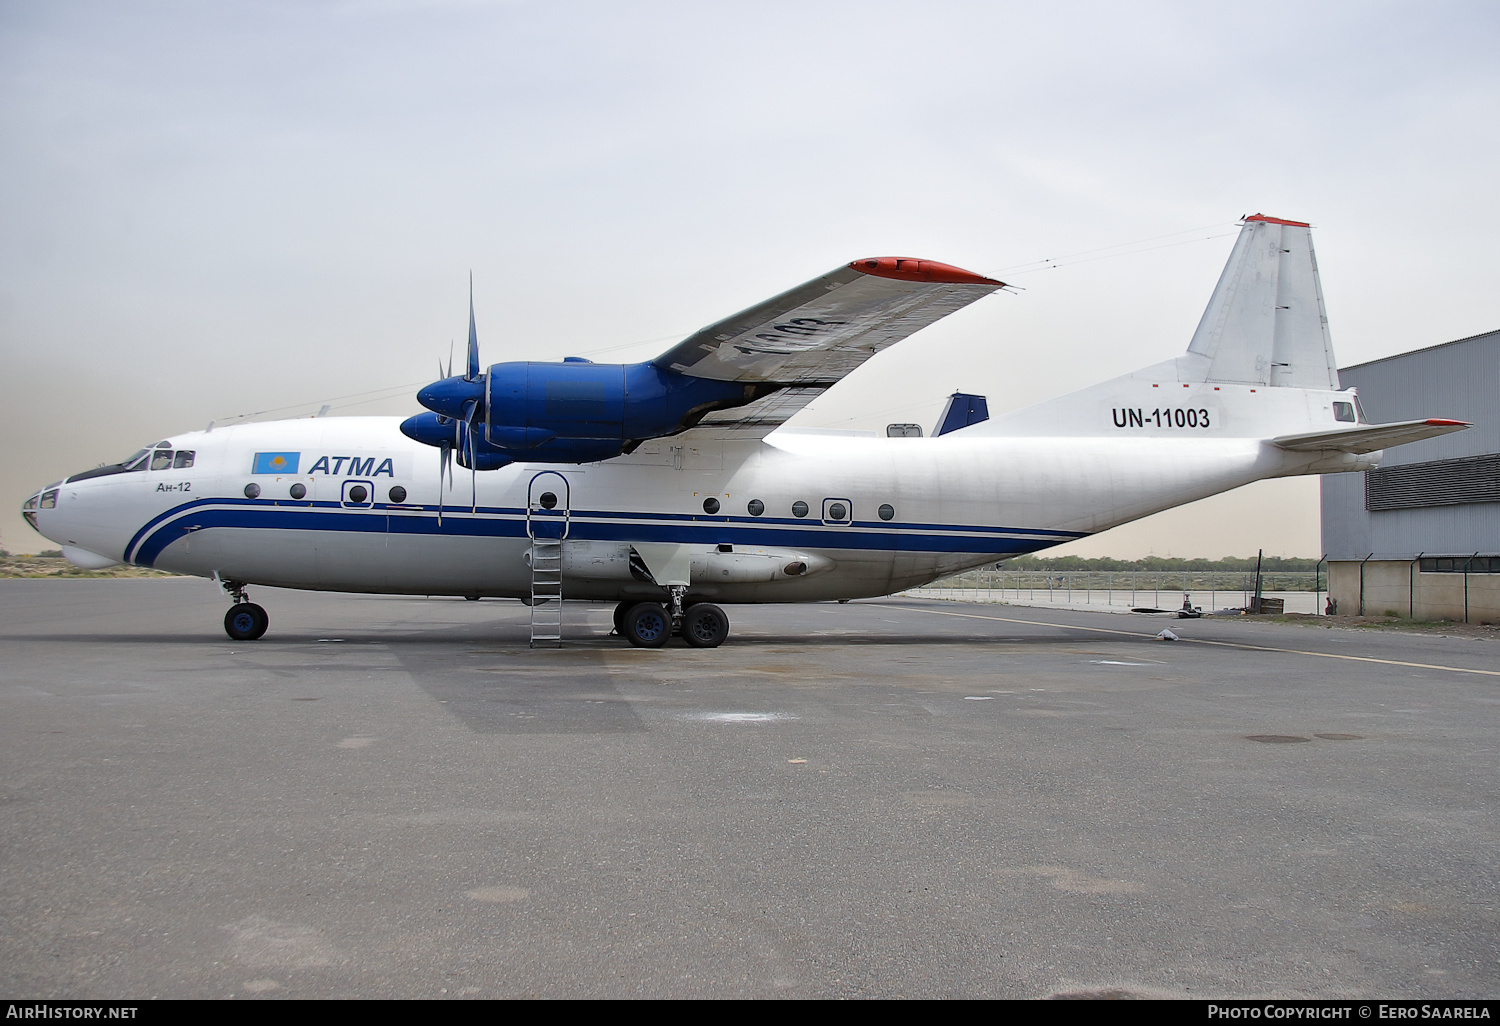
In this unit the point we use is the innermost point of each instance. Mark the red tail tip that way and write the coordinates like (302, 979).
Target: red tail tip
(1277, 220)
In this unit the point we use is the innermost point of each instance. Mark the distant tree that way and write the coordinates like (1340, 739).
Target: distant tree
(1228, 564)
(50, 554)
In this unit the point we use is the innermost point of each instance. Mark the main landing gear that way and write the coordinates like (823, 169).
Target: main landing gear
(650, 624)
(245, 621)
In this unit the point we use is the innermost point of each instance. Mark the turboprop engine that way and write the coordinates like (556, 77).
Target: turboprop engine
(570, 412)
(576, 411)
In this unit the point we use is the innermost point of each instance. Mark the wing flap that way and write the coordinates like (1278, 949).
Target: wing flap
(1368, 437)
(761, 417)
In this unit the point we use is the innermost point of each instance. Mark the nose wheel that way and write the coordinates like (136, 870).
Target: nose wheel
(246, 621)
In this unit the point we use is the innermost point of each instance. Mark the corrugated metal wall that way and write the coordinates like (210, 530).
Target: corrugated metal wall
(1460, 380)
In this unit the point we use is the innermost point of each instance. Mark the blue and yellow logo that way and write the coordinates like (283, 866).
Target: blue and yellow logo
(276, 462)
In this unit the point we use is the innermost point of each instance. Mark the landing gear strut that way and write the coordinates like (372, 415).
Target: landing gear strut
(245, 621)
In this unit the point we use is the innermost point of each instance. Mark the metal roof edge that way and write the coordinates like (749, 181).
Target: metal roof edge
(1424, 349)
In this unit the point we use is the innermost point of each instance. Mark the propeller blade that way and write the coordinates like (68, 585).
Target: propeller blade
(472, 370)
(450, 360)
(442, 464)
(473, 464)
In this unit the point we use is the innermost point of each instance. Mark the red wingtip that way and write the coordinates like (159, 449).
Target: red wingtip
(912, 269)
(1277, 220)
(1447, 423)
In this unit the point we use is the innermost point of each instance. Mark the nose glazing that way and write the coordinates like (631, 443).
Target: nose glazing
(46, 498)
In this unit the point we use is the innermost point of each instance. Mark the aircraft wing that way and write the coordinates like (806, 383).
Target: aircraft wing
(1368, 437)
(815, 334)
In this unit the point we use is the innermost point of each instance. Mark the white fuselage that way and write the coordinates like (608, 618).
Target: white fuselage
(953, 502)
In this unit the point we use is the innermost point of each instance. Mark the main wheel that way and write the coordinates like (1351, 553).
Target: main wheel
(246, 621)
(647, 625)
(621, 608)
(705, 626)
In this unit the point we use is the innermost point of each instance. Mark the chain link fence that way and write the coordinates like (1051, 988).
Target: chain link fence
(1299, 591)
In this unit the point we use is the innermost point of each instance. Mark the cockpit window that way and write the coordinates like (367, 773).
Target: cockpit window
(1344, 412)
(49, 499)
(184, 459)
(161, 459)
(139, 461)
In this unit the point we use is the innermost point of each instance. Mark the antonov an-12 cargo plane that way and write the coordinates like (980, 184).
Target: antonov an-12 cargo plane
(666, 486)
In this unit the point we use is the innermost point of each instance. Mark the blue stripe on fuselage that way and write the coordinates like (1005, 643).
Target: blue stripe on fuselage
(157, 534)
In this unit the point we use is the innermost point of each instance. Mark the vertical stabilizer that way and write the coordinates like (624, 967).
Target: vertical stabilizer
(1265, 324)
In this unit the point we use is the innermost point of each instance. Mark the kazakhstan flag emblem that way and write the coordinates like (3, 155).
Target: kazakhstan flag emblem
(276, 462)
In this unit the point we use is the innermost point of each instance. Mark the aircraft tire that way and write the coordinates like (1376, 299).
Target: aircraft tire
(647, 625)
(246, 621)
(705, 625)
(621, 608)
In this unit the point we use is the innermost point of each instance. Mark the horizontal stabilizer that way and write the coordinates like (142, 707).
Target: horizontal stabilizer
(1368, 437)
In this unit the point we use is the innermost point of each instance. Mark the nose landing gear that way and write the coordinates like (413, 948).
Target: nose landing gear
(245, 621)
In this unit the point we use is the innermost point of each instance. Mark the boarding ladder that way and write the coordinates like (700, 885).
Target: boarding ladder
(546, 592)
(547, 522)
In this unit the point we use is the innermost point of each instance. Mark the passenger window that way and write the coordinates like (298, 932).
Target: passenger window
(755, 507)
(836, 511)
(886, 511)
(799, 508)
(161, 459)
(184, 460)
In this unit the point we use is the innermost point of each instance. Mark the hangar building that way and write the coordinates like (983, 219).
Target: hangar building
(1421, 536)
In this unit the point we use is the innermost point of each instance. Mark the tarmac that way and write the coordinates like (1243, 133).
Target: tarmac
(396, 798)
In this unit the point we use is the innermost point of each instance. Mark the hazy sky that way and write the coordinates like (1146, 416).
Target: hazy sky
(215, 209)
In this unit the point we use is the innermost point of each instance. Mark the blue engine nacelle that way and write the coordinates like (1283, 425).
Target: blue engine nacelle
(571, 412)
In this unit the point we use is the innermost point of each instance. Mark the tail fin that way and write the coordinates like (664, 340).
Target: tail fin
(1260, 364)
(1266, 324)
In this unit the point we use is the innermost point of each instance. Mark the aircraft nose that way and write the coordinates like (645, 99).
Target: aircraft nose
(45, 498)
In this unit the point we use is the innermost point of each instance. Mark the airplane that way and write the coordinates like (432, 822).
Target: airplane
(674, 485)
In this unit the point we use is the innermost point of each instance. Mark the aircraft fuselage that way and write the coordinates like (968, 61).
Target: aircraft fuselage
(850, 516)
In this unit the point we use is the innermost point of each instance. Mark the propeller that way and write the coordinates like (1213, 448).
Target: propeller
(471, 370)
(445, 454)
(472, 407)
(463, 400)
(463, 441)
